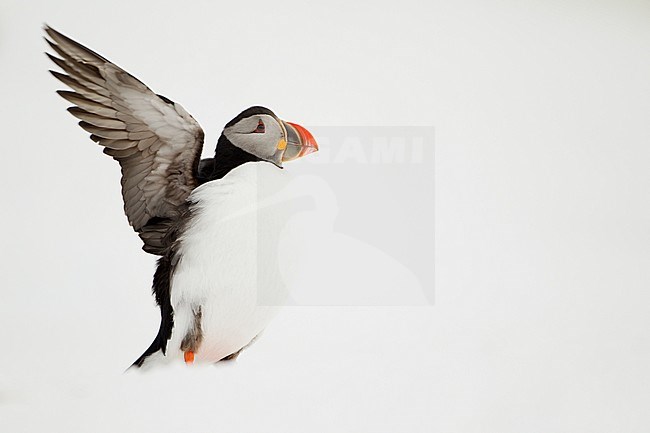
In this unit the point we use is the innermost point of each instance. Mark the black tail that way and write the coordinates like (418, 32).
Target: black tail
(161, 281)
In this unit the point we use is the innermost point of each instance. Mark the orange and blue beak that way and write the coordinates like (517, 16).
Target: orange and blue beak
(299, 143)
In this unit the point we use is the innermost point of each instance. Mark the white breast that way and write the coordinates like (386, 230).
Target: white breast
(229, 261)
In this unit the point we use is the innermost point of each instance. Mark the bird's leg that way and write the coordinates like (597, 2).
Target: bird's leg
(193, 338)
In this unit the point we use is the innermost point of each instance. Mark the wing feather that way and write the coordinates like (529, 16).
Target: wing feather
(97, 120)
(157, 143)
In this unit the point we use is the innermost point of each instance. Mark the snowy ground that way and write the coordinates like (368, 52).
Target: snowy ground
(541, 311)
(325, 369)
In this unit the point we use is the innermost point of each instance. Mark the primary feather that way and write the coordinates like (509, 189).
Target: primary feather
(157, 143)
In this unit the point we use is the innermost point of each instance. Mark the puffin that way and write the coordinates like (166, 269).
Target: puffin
(216, 282)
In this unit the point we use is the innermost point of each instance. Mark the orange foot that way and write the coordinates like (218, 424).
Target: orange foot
(189, 357)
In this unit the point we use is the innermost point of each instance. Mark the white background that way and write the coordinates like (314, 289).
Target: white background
(541, 314)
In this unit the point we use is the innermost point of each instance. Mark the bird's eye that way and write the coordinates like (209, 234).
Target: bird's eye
(260, 127)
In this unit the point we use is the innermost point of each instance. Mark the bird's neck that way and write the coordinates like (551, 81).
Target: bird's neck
(228, 156)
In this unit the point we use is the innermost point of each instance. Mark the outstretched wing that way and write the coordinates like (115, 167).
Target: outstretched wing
(157, 143)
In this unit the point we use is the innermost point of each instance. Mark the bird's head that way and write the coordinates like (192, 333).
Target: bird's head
(260, 133)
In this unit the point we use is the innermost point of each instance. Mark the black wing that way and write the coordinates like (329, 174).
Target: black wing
(157, 143)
